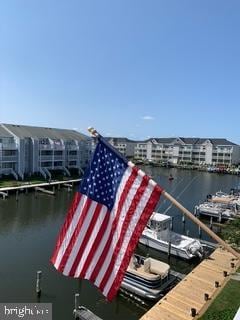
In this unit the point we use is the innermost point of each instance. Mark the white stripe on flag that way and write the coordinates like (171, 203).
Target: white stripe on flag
(118, 230)
(80, 237)
(104, 240)
(70, 231)
(92, 238)
(135, 218)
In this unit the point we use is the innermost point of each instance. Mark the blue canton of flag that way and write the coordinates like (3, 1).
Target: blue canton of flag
(102, 178)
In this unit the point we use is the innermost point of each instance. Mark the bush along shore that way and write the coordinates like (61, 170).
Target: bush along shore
(231, 233)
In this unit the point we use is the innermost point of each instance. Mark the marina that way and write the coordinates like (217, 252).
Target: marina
(28, 233)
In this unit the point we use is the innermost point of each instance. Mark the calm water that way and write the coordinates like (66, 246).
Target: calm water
(28, 231)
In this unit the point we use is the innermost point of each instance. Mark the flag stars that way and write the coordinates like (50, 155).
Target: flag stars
(104, 176)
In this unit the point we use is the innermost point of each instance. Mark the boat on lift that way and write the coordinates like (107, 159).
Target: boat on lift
(216, 210)
(148, 278)
(158, 235)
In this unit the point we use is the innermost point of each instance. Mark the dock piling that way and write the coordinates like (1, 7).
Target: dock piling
(4, 195)
(76, 304)
(211, 222)
(38, 283)
(199, 232)
(220, 217)
(45, 191)
(183, 218)
(169, 248)
(193, 312)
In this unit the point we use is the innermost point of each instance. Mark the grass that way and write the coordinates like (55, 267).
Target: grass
(231, 233)
(4, 183)
(14, 183)
(226, 304)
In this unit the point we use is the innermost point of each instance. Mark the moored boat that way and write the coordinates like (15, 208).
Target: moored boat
(148, 278)
(83, 313)
(158, 235)
(215, 210)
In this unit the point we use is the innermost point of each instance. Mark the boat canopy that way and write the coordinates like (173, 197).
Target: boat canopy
(159, 217)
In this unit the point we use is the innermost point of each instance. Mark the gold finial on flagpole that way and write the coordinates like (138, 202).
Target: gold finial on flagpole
(93, 132)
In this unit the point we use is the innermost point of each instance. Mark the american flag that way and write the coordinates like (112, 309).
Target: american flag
(105, 220)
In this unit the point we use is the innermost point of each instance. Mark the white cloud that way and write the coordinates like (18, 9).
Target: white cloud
(147, 118)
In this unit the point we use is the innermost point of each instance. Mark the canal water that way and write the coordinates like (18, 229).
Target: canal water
(29, 228)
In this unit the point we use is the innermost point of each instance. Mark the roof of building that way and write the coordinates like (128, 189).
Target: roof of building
(120, 140)
(163, 140)
(174, 140)
(23, 131)
(222, 142)
(4, 133)
(217, 141)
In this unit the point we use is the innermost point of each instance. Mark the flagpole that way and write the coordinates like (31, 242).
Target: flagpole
(184, 210)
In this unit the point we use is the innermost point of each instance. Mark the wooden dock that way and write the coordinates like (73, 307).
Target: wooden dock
(192, 296)
(25, 186)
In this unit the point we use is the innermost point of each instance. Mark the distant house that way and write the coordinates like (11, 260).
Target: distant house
(27, 150)
(123, 145)
(199, 151)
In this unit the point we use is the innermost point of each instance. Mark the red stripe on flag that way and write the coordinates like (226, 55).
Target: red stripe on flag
(149, 208)
(96, 243)
(68, 221)
(123, 196)
(88, 233)
(75, 235)
(125, 226)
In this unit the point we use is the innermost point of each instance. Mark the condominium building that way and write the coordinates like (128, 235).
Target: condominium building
(27, 150)
(123, 145)
(184, 150)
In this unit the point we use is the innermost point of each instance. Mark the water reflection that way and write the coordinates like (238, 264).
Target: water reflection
(29, 228)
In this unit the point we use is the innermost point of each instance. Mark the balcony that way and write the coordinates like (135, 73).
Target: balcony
(70, 148)
(10, 146)
(9, 159)
(45, 147)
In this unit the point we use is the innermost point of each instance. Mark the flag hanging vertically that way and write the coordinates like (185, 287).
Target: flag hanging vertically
(105, 220)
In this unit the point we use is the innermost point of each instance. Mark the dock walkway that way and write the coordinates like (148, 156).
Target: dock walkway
(37, 185)
(191, 297)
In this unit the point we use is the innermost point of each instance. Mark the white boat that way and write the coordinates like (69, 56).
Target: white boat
(83, 313)
(215, 210)
(158, 235)
(147, 278)
(228, 200)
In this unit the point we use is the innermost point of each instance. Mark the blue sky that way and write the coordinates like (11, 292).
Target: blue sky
(129, 68)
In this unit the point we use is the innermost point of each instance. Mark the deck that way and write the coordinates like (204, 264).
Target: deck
(197, 290)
